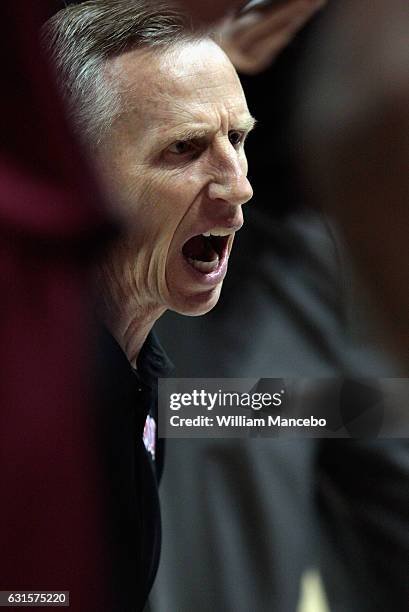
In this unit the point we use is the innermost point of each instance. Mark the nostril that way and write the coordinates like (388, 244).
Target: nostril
(237, 191)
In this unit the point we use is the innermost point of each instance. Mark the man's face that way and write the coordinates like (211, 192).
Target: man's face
(175, 160)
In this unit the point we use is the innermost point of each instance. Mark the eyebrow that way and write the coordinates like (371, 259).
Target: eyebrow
(249, 124)
(192, 133)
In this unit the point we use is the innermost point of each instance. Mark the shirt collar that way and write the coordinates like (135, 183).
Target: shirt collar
(152, 362)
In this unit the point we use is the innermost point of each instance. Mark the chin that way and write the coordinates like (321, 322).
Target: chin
(196, 304)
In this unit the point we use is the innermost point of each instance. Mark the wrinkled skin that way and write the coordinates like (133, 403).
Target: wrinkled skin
(175, 163)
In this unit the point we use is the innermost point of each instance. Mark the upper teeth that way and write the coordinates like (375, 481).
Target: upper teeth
(218, 231)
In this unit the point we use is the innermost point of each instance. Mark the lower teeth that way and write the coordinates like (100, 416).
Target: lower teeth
(204, 266)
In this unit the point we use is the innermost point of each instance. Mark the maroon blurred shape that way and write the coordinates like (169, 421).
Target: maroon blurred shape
(51, 222)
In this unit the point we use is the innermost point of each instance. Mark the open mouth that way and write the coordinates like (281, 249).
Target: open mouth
(205, 251)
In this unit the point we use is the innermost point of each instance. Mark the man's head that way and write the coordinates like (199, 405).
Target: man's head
(164, 113)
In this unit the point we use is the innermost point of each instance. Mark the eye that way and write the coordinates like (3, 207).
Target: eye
(236, 138)
(181, 147)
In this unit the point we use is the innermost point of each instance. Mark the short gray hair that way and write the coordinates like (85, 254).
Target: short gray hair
(82, 37)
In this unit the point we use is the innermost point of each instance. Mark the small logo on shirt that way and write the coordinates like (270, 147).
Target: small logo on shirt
(149, 436)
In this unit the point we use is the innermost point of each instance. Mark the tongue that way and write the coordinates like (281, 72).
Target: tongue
(199, 248)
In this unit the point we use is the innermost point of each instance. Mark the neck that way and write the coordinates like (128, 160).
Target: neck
(135, 332)
(120, 307)
(131, 331)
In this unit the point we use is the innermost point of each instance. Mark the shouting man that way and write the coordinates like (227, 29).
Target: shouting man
(161, 109)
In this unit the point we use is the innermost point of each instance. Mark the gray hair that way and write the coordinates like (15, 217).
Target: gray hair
(81, 38)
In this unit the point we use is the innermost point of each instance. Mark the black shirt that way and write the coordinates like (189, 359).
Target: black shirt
(133, 458)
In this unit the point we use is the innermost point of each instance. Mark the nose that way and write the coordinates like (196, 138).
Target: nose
(230, 182)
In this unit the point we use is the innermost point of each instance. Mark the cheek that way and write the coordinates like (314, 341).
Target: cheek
(154, 202)
(176, 197)
(163, 202)
(147, 201)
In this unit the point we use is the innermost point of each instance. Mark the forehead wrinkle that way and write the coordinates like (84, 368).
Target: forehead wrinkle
(174, 115)
(177, 121)
(206, 92)
(195, 129)
(172, 104)
(199, 118)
